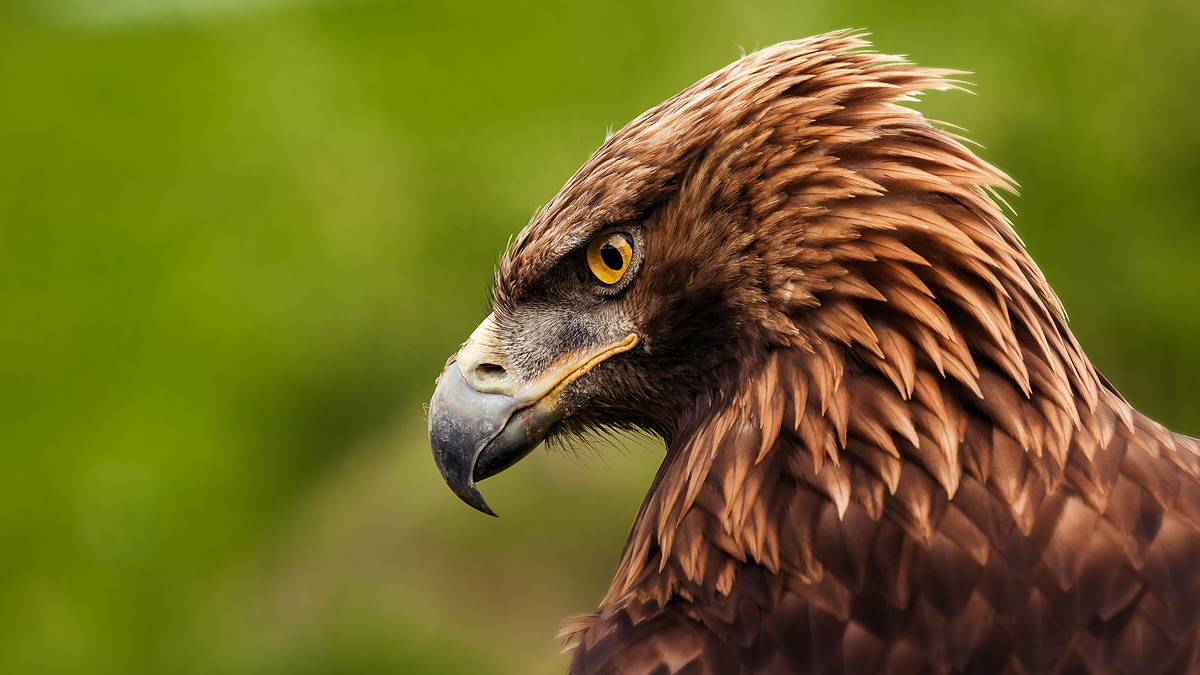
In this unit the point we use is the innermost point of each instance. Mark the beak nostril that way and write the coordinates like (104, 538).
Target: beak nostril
(487, 372)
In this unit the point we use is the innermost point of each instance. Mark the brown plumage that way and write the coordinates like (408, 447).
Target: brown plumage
(886, 453)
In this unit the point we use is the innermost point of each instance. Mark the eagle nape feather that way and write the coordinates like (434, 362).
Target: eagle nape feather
(886, 452)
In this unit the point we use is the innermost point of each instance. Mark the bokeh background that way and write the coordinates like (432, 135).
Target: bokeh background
(239, 238)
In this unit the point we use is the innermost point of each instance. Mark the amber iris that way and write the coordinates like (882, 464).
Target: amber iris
(608, 257)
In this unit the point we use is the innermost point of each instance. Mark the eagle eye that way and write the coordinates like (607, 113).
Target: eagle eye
(609, 257)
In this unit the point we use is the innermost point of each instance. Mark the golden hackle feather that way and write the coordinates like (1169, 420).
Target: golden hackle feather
(917, 470)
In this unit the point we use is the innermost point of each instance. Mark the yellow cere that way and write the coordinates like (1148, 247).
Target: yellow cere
(608, 257)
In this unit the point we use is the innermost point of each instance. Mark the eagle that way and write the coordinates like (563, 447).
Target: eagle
(885, 450)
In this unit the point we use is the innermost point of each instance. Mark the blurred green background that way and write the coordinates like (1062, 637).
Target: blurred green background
(238, 240)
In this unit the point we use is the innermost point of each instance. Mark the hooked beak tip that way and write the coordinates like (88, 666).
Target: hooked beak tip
(471, 495)
(462, 484)
(460, 422)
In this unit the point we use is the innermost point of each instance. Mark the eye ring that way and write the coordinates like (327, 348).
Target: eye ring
(610, 257)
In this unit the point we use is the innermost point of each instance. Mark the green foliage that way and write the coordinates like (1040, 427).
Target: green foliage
(238, 240)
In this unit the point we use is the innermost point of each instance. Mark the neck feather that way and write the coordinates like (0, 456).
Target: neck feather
(914, 360)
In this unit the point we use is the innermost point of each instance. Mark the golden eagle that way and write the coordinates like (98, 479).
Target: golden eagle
(886, 453)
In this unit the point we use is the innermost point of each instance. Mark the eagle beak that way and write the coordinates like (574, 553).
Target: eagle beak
(483, 418)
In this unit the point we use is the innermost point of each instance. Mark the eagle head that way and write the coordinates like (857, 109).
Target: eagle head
(740, 217)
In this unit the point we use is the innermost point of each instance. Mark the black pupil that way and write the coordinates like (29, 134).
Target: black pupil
(611, 257)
